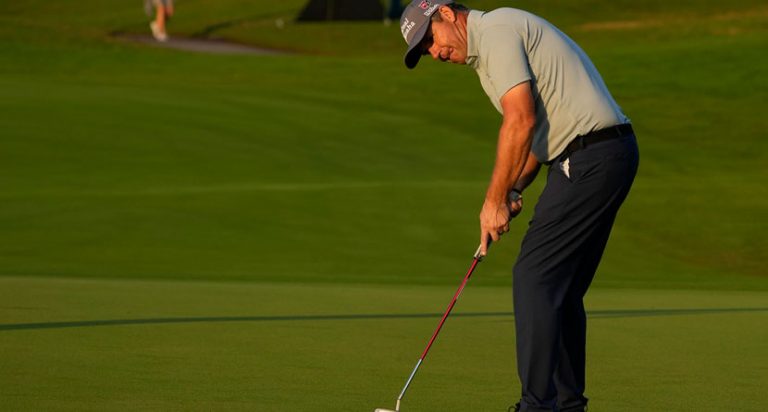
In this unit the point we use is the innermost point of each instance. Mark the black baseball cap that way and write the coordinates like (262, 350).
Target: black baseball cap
(414, 24)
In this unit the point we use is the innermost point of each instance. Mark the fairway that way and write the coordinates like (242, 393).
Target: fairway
(116, 345)
(188, 231)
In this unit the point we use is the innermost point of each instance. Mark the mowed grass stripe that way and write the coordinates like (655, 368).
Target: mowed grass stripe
(249, 187)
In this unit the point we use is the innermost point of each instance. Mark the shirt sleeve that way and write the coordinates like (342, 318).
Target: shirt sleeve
(503, 50)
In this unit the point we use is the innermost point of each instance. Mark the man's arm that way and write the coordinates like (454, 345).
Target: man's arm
(530, 170)
(529, 173)
(512, 155)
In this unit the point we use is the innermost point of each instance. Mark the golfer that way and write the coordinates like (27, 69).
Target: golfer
(556, 111)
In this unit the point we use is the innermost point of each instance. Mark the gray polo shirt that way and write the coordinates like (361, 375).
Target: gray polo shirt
(509, 46)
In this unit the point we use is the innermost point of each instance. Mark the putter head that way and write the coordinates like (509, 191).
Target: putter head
(397, 407)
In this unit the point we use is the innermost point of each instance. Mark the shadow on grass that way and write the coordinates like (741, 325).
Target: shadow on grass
(292, 318)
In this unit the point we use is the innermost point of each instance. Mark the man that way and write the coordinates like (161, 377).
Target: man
(557, 111)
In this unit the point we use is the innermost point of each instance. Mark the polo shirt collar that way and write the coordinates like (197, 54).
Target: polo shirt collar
(473, 31)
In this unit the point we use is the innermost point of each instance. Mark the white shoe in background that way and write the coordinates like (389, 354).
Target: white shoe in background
(159, 35)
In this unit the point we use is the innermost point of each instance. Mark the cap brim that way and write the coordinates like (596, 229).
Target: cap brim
(413, 54)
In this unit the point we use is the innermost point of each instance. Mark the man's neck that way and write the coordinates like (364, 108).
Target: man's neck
(461, 24)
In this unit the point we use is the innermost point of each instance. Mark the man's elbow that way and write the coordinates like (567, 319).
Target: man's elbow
(520, 124)
(528, 124)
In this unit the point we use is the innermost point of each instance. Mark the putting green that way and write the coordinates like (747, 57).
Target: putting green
(338, 199)
(166, 345)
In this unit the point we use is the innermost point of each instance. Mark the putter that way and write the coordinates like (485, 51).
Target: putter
(477, 258)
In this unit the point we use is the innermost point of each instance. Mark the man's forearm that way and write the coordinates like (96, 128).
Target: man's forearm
(530, 170)
(512, 156)
(512, 152)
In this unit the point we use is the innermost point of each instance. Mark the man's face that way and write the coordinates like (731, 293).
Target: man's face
(445, 40)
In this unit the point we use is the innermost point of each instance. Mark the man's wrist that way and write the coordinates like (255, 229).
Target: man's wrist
(515, 195)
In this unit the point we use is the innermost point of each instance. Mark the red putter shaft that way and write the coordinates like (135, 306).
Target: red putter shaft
(477, 258)
(475, 261)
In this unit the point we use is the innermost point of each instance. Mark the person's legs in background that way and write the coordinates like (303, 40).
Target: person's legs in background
(163, 11)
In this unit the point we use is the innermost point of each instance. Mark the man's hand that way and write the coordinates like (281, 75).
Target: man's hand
(494, 221)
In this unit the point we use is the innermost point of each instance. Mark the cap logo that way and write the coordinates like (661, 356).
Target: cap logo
(406, 27)
(428, 12)
(425, 4)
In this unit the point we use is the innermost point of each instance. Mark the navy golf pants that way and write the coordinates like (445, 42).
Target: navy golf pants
(558, 259)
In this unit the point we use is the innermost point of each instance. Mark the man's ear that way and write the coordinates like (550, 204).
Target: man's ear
(447, 14)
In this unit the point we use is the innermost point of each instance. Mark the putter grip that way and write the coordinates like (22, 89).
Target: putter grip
(477, 253)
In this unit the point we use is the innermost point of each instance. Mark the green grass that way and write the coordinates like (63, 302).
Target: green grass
(145, 183)
(154, 163)
(644, 352)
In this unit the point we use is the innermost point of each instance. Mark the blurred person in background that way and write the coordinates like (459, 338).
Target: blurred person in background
(162, 10)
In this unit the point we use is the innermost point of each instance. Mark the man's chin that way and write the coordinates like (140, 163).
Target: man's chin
(457, 59)
(454, 60)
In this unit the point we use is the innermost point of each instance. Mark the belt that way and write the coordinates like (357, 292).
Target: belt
(598, 136)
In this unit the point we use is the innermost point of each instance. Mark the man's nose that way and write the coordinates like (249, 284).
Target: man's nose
(434, 51)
